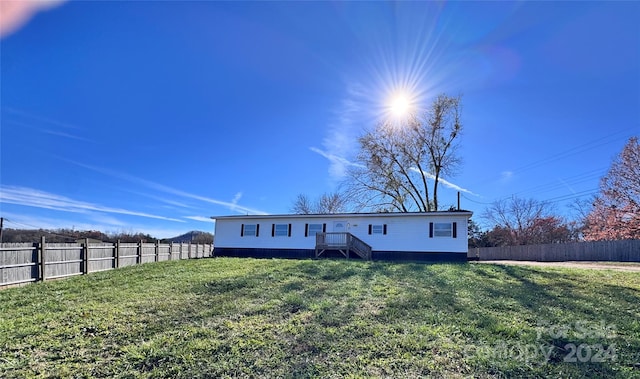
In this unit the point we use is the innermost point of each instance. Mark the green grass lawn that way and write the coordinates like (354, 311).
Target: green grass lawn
(230, 317)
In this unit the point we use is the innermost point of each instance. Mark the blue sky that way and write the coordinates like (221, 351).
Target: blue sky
(153, 116)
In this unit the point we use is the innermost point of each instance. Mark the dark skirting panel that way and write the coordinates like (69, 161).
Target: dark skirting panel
(263, 253)
(418, 256)
(310, 253)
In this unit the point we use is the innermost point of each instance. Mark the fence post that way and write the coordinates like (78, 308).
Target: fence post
(116, 255)
(41, 264)
(85, 257)
(139, 257)
(189, 251)
(170, 250)
(157, 250)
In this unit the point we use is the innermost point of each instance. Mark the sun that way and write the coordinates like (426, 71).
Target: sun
(400, 106)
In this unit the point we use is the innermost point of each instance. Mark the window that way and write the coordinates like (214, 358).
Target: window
(443, 229)
(280, 230)
(377, 228)
(249, 230)
(313, 229)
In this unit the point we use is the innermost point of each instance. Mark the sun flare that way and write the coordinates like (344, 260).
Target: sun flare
(400, 106)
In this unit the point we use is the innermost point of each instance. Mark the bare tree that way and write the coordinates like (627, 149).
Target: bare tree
(440, 136)
(383, 177)
(396, 163)
(519, 221)
(334, 202)
(302, 205)
(327, 203)
(580, 209)
(616, 209)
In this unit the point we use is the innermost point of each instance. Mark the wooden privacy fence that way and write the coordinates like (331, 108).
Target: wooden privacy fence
(615, 251)
(30, 262)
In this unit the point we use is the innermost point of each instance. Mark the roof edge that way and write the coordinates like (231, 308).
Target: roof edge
(335, 215)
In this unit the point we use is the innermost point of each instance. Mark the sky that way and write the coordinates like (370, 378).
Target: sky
(153, 116)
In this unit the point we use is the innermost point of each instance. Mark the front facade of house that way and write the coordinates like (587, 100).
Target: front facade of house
(392, 236)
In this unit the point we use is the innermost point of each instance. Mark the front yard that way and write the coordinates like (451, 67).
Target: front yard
(229, 317)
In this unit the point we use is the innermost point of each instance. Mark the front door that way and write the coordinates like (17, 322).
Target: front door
(339, 226)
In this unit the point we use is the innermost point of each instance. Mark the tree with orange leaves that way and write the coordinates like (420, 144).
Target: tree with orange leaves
(616, 210)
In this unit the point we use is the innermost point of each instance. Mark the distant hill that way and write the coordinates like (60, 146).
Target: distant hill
(69, 235)
(194, 236)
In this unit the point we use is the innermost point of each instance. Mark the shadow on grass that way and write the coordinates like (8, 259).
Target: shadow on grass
(316, 313)
(308, 318)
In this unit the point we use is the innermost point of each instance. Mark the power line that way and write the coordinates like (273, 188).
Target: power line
(47, 231)
(557, 199)
(474, 201)
(17, 223)
(21, 224)
(593, 144)
(623, 134)
(573, 196)
(566, 182)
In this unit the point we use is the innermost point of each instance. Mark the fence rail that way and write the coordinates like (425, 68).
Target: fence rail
(29, 262)
(615, 251)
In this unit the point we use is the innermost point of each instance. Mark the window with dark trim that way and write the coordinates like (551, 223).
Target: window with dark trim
(280, 230)
(313, 229)
(249, 230)
(377, 228)
(443, 229)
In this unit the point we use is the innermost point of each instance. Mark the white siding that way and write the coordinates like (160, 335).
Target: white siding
(405, 232)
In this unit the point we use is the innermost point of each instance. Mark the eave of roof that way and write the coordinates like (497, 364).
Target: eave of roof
(342, 215)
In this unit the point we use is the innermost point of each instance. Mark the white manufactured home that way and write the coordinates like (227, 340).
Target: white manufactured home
(388, 236)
